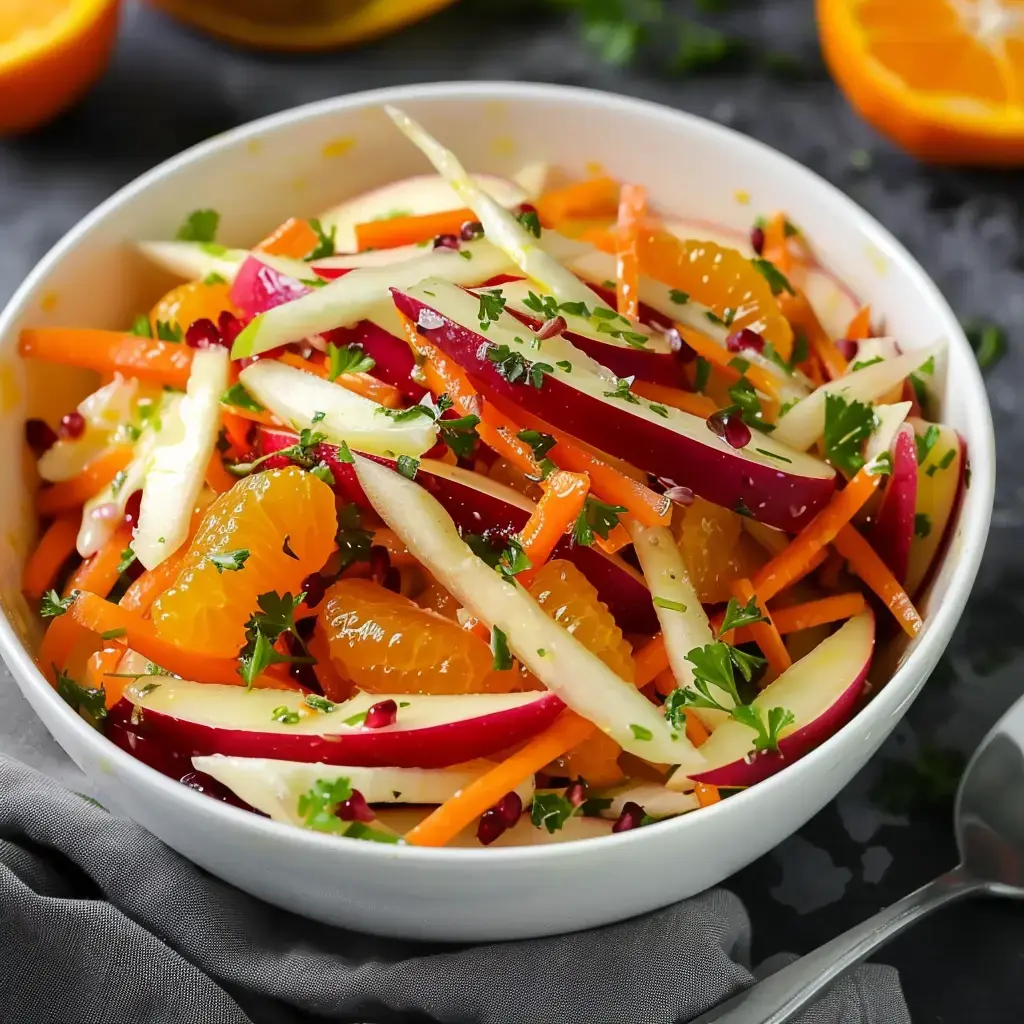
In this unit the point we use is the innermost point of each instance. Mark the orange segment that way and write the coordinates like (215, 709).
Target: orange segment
(190, 302)
(51, 51)
(942, 78)
(206, 609)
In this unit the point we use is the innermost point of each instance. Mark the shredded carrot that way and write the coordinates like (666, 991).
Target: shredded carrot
(860, 326)
(799, 312)
(158, 362)
(830, 570)
(705, 794)
(796, 561)
(237, 428)
(775, 248)
(395, 231)
(818, 613)
(98, 673)
(696, 731)
(765, 635)
(294, 238)
(650, 660)
(55, 547)
(99, 573)
(358, 383)
(101, 616)
(70, 494)
(875, 573)
(665, 682)
(267, 418)
(591, 200)
(632, 206)
(139, 597)
(61, 636)
(218, 478)
(686, 401)
(557, 510)
(721, 358)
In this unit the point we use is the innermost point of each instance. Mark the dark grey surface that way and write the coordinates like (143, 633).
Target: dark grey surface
(168, 89)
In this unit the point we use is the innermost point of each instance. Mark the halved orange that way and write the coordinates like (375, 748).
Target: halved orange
(944, 79)
(51, 51)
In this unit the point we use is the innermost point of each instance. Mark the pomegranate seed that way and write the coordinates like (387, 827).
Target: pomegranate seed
(380, 563)
(203, 333)
(491, 826)
(230, 326)
(551, 328)
(576, 792)
(355, 808)
(446, 241)
(757, 239)
(737, 433)
(847, 348)
(132, 508)
(383, 713)
(471, 231)
(510, 808)
(631, 817)
(41, 437)
(393, 580)
(72, 425)
(744, 339)
(527, 208)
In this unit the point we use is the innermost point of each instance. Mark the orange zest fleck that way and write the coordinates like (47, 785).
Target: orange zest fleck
(55, 547)
(70, 494)
(632, 207)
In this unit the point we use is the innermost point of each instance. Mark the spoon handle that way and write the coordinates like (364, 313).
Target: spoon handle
(783, 994)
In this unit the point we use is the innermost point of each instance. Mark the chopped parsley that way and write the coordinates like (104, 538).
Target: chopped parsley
(513, 560)
(847, 426)
(199, 226)
(275, 616)
(141, 327)
(745, 400)
(325, 241)
(576, 309)
(323, 472)
(317, 417)
(90, 703)
(546, 305)
(944, 463)
(167, 330)
(672, 606)
(768, 728)
(564, 364)
(678, 297)
(622, 391)
(302, 453)
(725, 320)
(127, 559)
(772, 455)
(863, 363)
(113, 634)
(318, 807)
(658, 410)
(347, 359)
(354, 542)
(52, 604)
(318, 703)
(405, 415)
(922, 525)
(640, 732)
(551, 811)
(701, 374)
(237, 396)
(596, 517)
(515, 367)
(777, 281)
(530, 221)
(880, 465)
(737, 615)
(540, 444)
(214, 278)
(284, 715)
(499, 648)
(484, 548)
(918, 383)
(926, 442)
(407, 466)
(344, 455)
(492, 305)
(229, 561)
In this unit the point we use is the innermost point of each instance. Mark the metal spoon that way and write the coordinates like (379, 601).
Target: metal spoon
(989, 821)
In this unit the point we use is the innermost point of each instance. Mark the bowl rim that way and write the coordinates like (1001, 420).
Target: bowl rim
(893, 697)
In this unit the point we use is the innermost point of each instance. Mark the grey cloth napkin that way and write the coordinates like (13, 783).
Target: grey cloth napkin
(100, 922)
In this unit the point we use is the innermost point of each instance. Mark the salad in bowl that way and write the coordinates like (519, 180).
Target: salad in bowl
(483, 512)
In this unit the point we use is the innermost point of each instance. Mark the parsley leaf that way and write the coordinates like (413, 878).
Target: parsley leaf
(513, 560)
(737, 615)
(229, 561)
(276, 615)
(530, 221)
(141, 327)
(499, 648)
(596, 517)
(214, 278)
(622, 390)
(199, 226)
(777, 281)
(325, 241)
(744, 397)
(678, 297)
(318, 703)
(407, 466)
(640, 732)
(540, 444)
(354, 542)
(926, 442)
(237, 396)
(515, 367)
(127, 560)
(283, 714)
(318, 806)
(52, 604)
(492, 305)
(880, 465)
(701, 374)
(459, 434)
(551, 811)
(922, 525)
(847, 426)
(863, 363)
(767, 732)
(347, 359)
(90, 703)
(167, 330)
(546, 305)
(484, 548)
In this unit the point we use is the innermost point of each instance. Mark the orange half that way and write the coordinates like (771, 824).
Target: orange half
(944, 79)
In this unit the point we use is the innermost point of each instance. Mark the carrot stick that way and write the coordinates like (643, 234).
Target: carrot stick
(218, 478)
(721, 358)
(705, 794)
(158, 362)
(139, 597)
(818, 613)
(832, 566)
(251, 416)
(765, 635)
(99, 573)
(97, 673)
(558, 508)
(237, 427)
(650, 660)
(632, 205)
(294, 238)
(358, 383)
(686, 401)
(875, 573)
(395, 231)
(775, 248)
(696, 731)
(592, 199)
(796, 561)
(101, 616)
(59, 641)
(665, 682)
(798, 311)
(70, 494)
(860, 326)
(55, 547)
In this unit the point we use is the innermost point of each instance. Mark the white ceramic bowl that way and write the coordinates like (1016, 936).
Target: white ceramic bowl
(304, 161)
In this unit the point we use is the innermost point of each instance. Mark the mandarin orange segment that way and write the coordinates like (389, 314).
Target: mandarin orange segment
(206, 609)
(568, 597)
(386, 643)
(190, 302)
(596, 759)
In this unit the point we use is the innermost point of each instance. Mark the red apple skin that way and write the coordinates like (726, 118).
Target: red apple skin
(438, 746)
(258, 287)
(393, 357)
(780, 499)
(793, 746)
(894, 525)
(476, 511)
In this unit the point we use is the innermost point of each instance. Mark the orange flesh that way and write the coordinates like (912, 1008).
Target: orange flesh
(190, 302)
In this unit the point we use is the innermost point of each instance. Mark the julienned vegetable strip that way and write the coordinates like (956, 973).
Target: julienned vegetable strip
(98, 673)
(358, 383)
(464, 808)
(558, 508)
(218, 479)
(61, 636)
(818, 613)
(294, 238)
(874, 572)
(99, 573)
(798, 311)
(775, 248)
(55, 547)
(70, 494)
(592, 199)
(765, 635)
(686, 401)
(705, 794)
(156, 362)
(797, 559)
(860, 326)
(721, 358)
(395, 231)
(100, 616)
(139, 597)
(696, 731)
(632, 204)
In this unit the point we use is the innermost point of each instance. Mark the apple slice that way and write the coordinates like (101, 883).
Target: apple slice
(298, 397)
(554, 656)
(264, 282)
(429, 732)
(411, 197)
(821, 689)
(275, 787)
(195, 260)
(347, 300)
(893, 532)
(524, 833)
(833, 303)
(177, 471)
(657, 801)
(804, 423)
(775, 484)
(940, 481)
(382, 337)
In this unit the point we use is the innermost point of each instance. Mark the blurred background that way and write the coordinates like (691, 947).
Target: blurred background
(909, 106)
